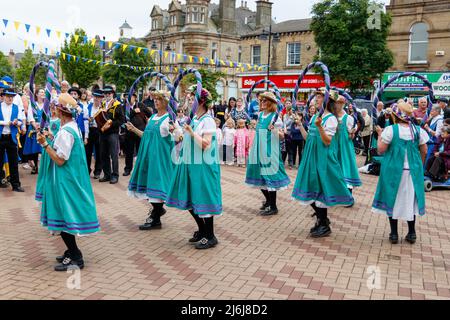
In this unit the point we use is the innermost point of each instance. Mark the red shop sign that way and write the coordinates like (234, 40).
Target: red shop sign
(289, 81)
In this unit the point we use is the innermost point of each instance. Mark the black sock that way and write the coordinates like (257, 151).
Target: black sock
(71, 243)
(200, 223)
(156, 213)
(313, 205)
(273, 200)
(394, 226)
(322, 215)
(412, 226)
(266, 195)
(209, 228)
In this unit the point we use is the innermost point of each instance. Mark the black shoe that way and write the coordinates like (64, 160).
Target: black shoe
(96, 177)
(114, 180)
(3, 185)
(18, 189)
(196, 237)
(105, 179)
(411, 238)
(323, 229)
(393, 238)
(317, 225)
(68, 264)
(34, 171)
(60, 259)
(264, 206)
(126, 173)
(204, 244)
(269, 212)
(150, 224)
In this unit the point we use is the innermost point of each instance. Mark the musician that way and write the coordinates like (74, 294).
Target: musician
(82, 121)
(139, 115)
(109, 136)
(12, 121)
(434, 128)
(93, 140)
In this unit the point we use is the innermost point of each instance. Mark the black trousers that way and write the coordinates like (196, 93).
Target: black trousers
(131, 145)
(22, 157)
(109, 149)
(7, 145)
(94, 144)
(296, 148)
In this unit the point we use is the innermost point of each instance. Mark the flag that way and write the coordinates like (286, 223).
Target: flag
(58, 34)
(124, 47)
(139, 49)
(27, 27)
(38, 30)
(16, 25)
(5, 21)
(76, 37)
(6, 165)
(49, 32)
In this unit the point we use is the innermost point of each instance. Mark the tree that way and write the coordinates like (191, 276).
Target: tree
(209, 81)
(353, 52)
(124, 77)
(24, 69)
(5, 66)
(81, 72)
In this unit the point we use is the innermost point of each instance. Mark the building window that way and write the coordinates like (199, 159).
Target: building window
(202, 15)
(293, 54)
(240, 54)
(155, 24)
(256, 54)
(173, 20)
(195, 15)
(418, 44)
(214, 51)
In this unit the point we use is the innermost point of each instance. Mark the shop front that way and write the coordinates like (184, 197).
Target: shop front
(286, 84)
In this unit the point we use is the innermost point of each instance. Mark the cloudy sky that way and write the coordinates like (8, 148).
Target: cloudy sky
(101, 17)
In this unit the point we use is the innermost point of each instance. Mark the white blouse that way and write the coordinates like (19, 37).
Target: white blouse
(350, 122)
(330, 125)
(64, 140)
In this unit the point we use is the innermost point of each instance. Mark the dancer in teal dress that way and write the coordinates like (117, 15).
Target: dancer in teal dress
(195, 185)
(53, 129)
(68, 204)
(154, 167)
(345, 149)
(265, 169)
(320, 181)
(400, 193)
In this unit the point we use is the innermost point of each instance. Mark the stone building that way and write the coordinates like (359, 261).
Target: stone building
(420, 41)
(226, 32)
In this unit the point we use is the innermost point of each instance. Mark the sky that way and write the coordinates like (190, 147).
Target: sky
(101, 18)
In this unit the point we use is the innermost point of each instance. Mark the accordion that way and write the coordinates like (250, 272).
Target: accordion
(101, 117)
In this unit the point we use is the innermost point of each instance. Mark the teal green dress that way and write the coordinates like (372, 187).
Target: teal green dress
(262, 172)
(320, 178)
(346, 154)
(392, 172)
(68, 203)
(195, 184)
(45, 160)
(154, 167)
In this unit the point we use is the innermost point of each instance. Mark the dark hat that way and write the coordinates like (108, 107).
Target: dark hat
(151, 89)
(442, 99)
(108, 89)
(7, 79)
(9, 92)
(98, 93)
(75, 89)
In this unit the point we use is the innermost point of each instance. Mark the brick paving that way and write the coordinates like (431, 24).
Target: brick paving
(257, 258)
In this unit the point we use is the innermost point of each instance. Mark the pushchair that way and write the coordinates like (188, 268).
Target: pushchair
(359, 144)
(373, 158)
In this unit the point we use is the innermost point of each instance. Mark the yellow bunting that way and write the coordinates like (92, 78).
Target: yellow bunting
(38, 30)
(110, 43)
(17, 25)
(93, 41)
(76, 37)
(152, 52)
(58, 34)
(124, 47)
(191, 58)
(25, 43)
(64, 56)
(166, 54)
(201, 60)
(139, 49)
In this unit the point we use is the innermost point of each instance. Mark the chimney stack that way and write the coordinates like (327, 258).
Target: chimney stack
(263, 13)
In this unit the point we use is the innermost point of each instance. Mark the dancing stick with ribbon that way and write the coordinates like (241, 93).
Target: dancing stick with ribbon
(326, 74)
(52, 82)
(277, 94)
(198, 92)
(173, 105)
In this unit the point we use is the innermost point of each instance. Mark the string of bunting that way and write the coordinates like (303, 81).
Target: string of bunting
(176, 57)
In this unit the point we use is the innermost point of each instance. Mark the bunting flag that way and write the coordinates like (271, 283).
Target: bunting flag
(5, 22)
(93, 41)
(76, 37)
(27, 27)
(38, 30)
(139, 50)
(25, 43)
(49, 32)
(16, 25)
(58, 34)
(124, 47)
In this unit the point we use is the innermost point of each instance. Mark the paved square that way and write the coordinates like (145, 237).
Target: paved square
(257, 258)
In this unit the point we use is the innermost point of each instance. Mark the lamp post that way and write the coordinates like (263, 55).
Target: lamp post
(103, 56)
(263, 36)
(155, 47)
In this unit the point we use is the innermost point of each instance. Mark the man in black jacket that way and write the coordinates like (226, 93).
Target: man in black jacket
(139, 114)
(443, 103)
(109, 136)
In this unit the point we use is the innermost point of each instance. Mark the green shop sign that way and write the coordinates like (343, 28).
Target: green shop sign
(439, 80)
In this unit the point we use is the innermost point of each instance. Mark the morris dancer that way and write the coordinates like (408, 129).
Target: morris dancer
(68, 204)
(345, 148)
(320, 182)
(265, 169)
(32, 149)
(400, 192)
(196, 185)
(154, 167)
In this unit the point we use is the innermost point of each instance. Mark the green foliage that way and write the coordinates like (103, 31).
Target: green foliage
(351, 50)
(209, 81)
(25, 67)
(5, 66)
(85, 74)
(122, 77)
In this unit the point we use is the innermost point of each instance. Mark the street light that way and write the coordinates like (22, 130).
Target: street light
(276, 37)
(155, 47)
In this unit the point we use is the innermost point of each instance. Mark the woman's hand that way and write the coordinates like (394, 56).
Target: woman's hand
(188, 129)
(41, 138)
(171, 128)
(318, 122)
(130, 126)
(271, 127)
(379, 130)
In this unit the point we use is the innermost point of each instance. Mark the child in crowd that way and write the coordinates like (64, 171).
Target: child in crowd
(228, 142)
(241, 141)
(219, 136)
